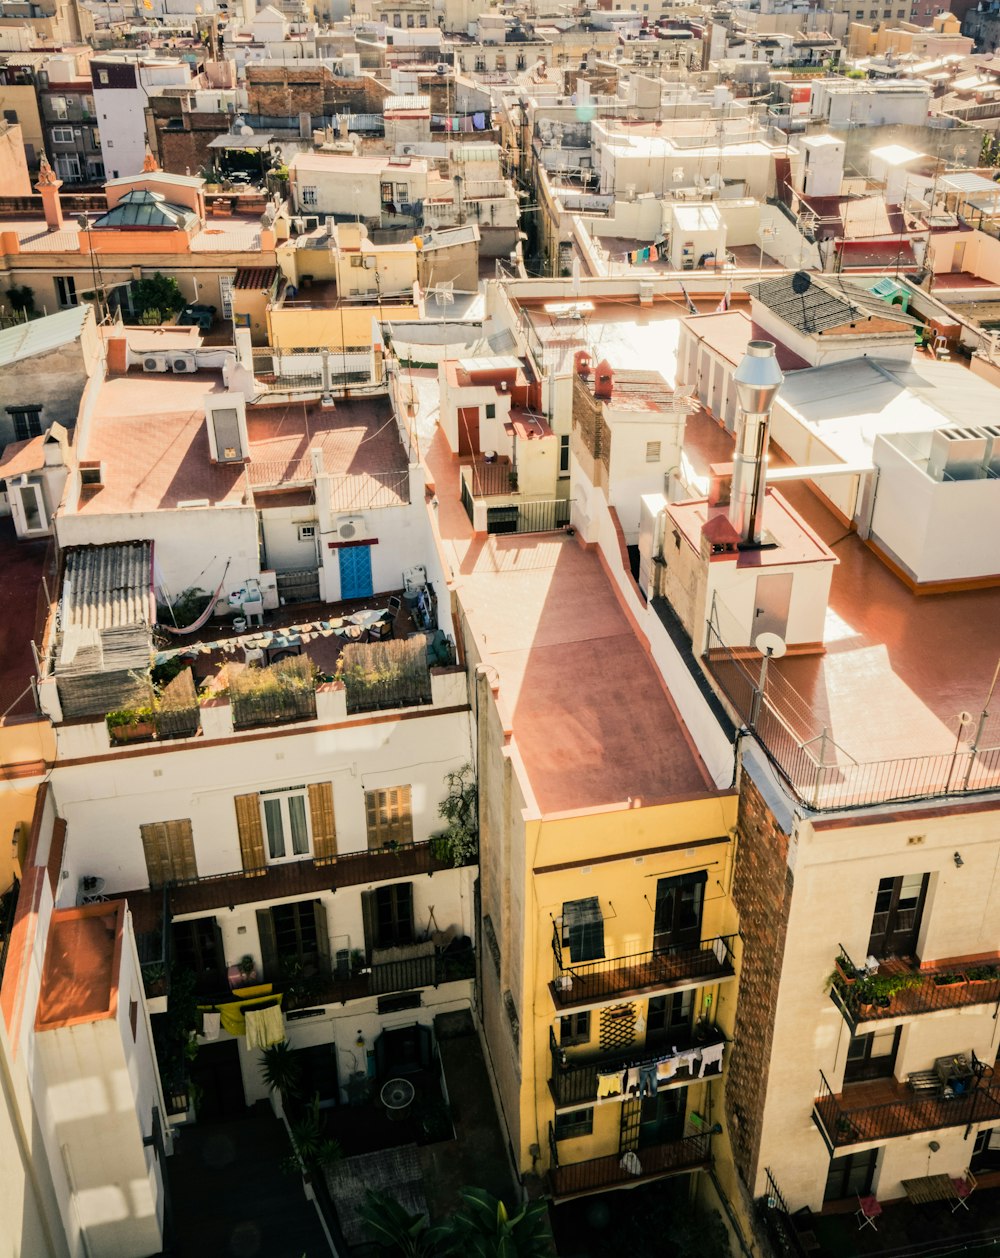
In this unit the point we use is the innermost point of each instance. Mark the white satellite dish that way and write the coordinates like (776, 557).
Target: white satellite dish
(771, 644)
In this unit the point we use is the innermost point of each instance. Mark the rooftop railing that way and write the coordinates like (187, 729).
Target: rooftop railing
(821, 774)
(655, 1161)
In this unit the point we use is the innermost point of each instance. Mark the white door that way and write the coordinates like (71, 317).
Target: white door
(28, 509)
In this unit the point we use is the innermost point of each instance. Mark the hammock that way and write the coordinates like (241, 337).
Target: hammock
(205, 615)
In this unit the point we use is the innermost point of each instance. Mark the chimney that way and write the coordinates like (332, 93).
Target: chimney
(757, 380)
(581, 363)
(48, 186)
(604, 382)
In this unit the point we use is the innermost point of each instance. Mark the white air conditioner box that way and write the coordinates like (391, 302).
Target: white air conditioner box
(349, 528)
(154, 362)
(184, 365)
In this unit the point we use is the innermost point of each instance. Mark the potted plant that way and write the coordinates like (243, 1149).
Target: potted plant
(948, 979)
(877, 990)
(127, 724)
(247, 967)
(312, 1149)
(849, 974)
(986, 973)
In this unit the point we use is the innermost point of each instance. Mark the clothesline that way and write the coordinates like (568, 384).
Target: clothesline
(295, 635)
(642, 1078)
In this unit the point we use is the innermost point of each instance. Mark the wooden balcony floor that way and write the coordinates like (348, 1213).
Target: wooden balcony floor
(674, 1157)
(649, 972)
(880, 1109)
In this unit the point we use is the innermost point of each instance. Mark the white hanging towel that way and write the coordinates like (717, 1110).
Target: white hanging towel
(264, 1027)
(710, 1056)
(211, 1023)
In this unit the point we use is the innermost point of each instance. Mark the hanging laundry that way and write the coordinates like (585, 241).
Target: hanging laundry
(609, 1085)
(632, 1079)
(667, 1068)
(647, 1080)
(479, 121)
(447, 124)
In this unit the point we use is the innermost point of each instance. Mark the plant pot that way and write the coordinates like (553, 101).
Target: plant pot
(132, 733)
(955, 980)
(850, 980)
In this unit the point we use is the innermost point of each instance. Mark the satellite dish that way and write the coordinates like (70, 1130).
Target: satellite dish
(801, 283)
(965, 718)
(771, 644)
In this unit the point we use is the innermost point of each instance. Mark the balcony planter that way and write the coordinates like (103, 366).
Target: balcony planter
(948, 980)
(848, 974)
(128, 725)
(982, 974)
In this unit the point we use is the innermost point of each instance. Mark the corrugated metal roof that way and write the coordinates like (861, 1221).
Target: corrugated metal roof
(105, 609)
(24, 340)
(107, 587)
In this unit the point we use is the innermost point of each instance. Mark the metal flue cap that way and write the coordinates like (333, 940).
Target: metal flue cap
(758, 378)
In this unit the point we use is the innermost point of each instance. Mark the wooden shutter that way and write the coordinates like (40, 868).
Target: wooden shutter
(322, 937)
(324, 831)
(390, 816)
(168, 847)
(154, 848)
(268, 945)
(180, 846)
(251, 828)
(369, 917)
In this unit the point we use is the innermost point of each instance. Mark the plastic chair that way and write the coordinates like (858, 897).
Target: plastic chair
(867, 1212)
(964, 1188)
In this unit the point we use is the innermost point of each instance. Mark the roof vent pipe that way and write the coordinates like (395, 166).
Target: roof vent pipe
(757, 380)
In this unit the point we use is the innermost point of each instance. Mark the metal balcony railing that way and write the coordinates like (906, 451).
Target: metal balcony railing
(574, 1081)
(897, 990)
(655, 1161)
(668, 967)
(842, 1122)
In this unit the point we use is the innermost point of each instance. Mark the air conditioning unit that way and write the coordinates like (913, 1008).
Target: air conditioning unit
(154, 362)
(350, 527)
(307, 532)
(184, 365)
(370, 263)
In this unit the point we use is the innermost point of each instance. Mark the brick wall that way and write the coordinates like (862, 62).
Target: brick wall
(762, 889)
(287, 91)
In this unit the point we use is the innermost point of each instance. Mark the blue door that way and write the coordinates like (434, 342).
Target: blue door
(356, 572)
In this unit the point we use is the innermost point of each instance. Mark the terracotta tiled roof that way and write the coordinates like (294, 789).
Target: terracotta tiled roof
(260, 277)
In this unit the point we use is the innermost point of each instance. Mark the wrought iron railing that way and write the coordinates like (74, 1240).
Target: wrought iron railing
(653, 1161)
(820, 773)
(776, 1218)
(574, 1081)
(272, 696)
(897, 991)
(670, 966)
(370, 491)
(842, 1123)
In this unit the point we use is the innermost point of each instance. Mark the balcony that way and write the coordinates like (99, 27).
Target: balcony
(574, 1081)
(902, 990)
(656, 1161)
(885, 1108)
(662, 969)
(288, 880)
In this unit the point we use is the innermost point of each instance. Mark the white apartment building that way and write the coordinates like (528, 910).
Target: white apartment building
(122, 87)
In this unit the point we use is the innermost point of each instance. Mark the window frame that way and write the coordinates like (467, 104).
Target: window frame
(491, 410)
(61, 139)
(583, 945)
(653, 451)
(393, 916)
(574, 1123)
(27, 420)
(284, 795)
(574, 1028)
(66, 294)
(308, 194)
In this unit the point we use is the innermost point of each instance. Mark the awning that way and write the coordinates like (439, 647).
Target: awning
(259, 140)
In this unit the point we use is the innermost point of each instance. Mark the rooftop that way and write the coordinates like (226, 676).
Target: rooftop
(543, 612)
(812, 304)
(80, 975)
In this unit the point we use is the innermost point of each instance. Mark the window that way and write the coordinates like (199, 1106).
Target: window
(133, 1017)
(111, 144)
(896, 920)
(564, 454)
(491, 410)
(521, 61)
(309, 195)
(294, 938)
(652, 452)
(102, 77)
(574, 1122)
(481, 64)
(27, 421)
(390, 817)
(388, 916)
(286, 823)
(677, 918)
(168, 847)
(409, 19)
(574, 1028)
(668, 1016)
(423, 20)
(402, 192)
(397, 20)
(66, 288)
(62, 135)
(501, 62)
(850, 1176)
(280, 818)
(583, 929)
(197, 949)
(385, 191)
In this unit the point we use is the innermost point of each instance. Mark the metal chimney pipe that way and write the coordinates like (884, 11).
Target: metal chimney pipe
(757, 380)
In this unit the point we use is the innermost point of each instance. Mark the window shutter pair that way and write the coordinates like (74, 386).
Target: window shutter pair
(269, 941)
(390, 816)
(168, 847)
(251, 828)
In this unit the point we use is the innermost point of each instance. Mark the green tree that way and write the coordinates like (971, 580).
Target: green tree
(400, 1233)
(482, 1228)
(156, 297)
